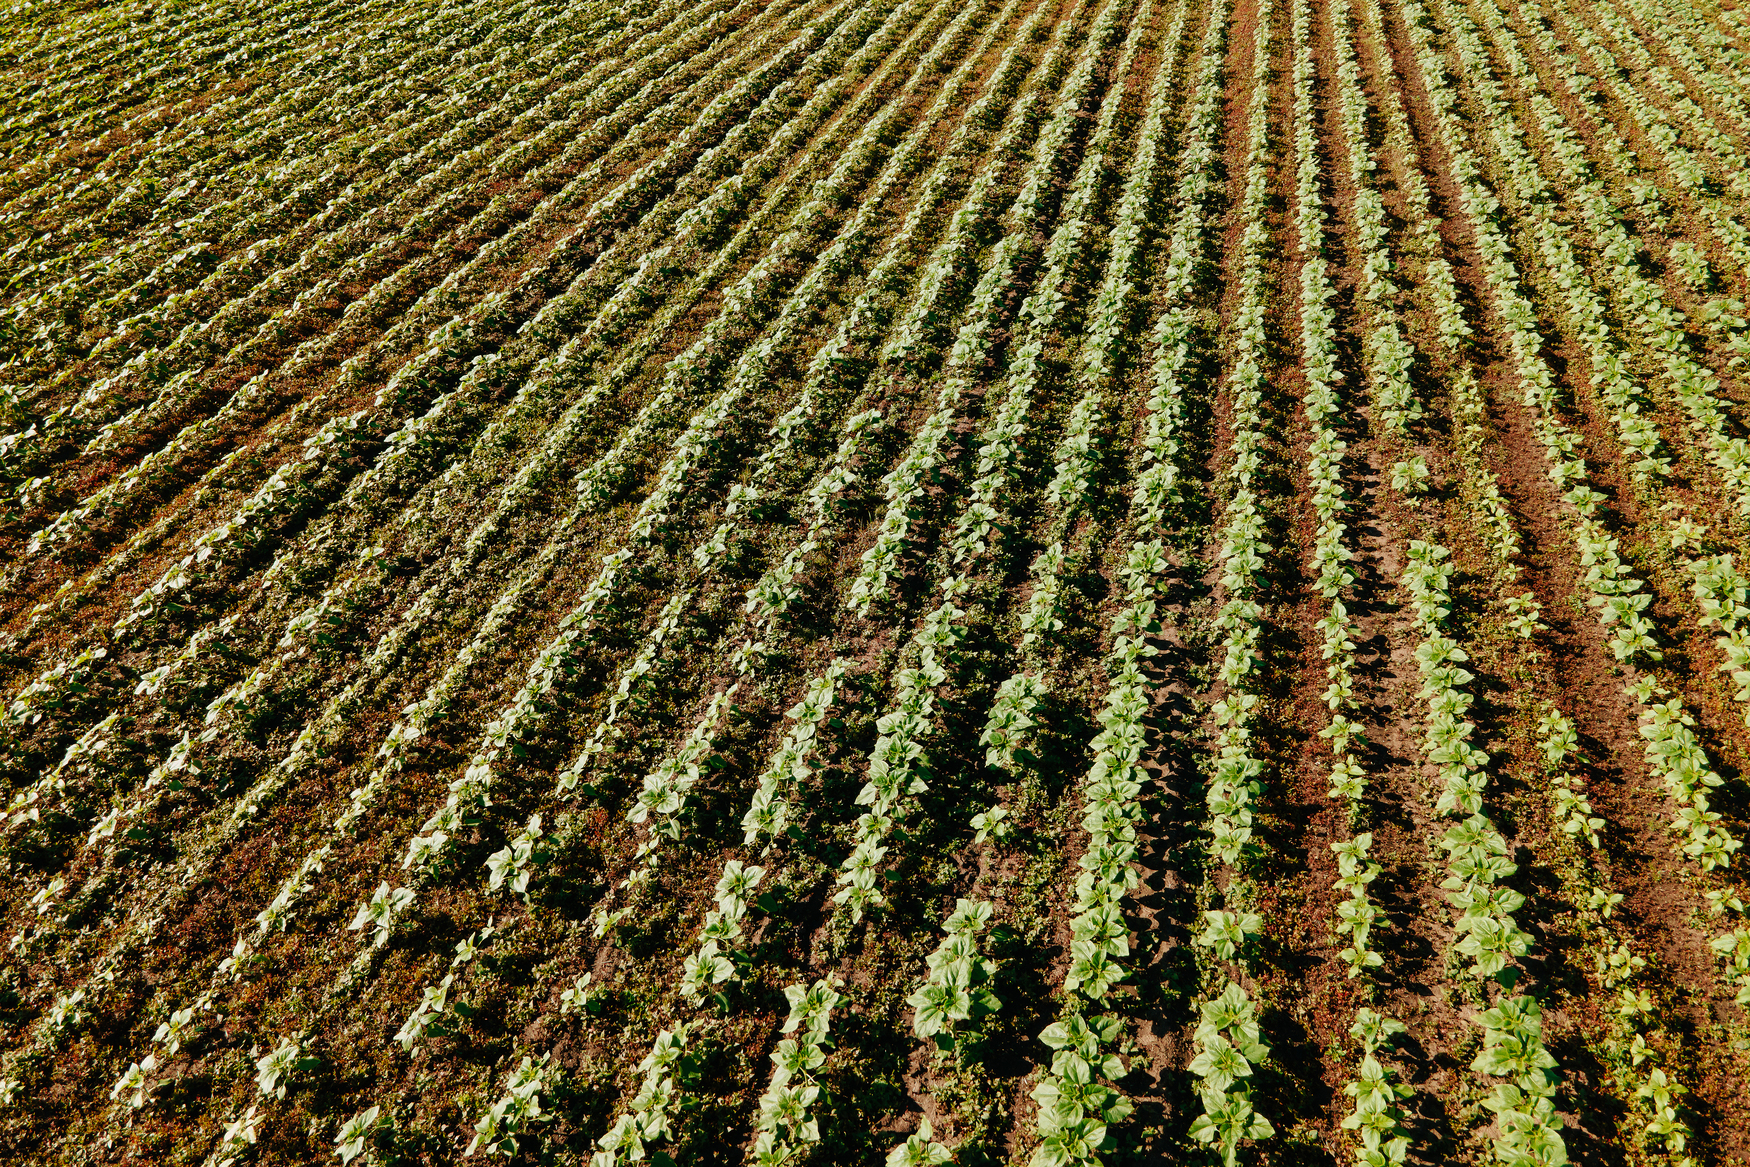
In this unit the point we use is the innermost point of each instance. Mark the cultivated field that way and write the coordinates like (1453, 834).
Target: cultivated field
(875, 581)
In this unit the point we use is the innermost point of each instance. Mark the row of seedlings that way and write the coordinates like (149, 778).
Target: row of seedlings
(1228, 1040)
(1374, 1115)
